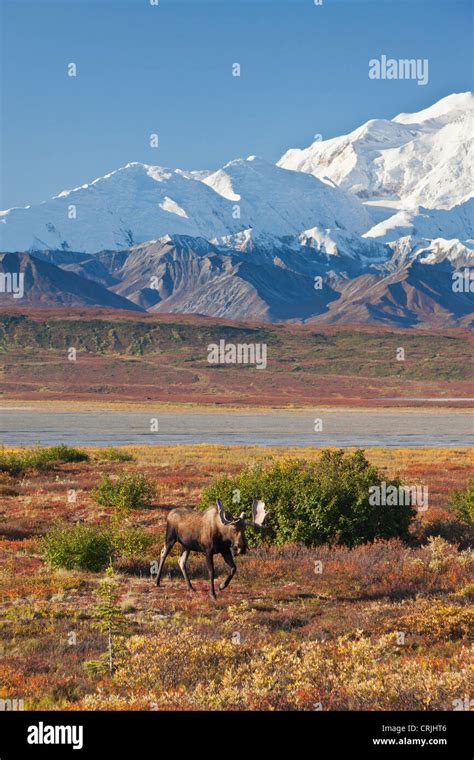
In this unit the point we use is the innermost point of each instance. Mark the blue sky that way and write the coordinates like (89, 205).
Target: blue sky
(167, 70)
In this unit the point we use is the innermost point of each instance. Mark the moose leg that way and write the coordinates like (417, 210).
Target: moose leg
(210, 567)
(229, 560)
(164, 553)
(182, 563)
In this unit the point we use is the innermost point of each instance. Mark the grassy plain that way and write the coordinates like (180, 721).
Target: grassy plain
(122, 358)
(383, 626)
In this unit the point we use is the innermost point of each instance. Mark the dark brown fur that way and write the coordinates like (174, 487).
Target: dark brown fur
(203, 532)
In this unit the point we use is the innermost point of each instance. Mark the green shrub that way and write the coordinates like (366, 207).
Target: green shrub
(92, 548)
(80, 546)
(131, 542)
(114, 455)
(325, 502)
(62, 453)
(39, 459)
(462, 503)
(13, 464)
(125, 492)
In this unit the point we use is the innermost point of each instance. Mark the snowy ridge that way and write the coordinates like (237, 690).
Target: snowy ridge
(420, 159)
(379, 219)
(456, 222)
(141, 202)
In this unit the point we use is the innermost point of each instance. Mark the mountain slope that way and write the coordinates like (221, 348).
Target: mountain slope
(311, 277)
(47, 285)
(140, 202)
(456, 222)
(420, 159)
(192, 276)
(281, 203)
(412, 295)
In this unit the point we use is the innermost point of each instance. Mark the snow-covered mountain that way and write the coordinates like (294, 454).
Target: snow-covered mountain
(456, 222)
(369, 226)
(419, 159)
(383, 179)
(141, 202)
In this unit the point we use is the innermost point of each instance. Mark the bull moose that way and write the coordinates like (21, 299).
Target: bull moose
(211, 532)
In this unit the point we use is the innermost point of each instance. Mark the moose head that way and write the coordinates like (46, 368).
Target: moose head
(234, 527)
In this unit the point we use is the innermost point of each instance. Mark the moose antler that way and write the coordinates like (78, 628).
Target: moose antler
(226, 517)
(258, 513)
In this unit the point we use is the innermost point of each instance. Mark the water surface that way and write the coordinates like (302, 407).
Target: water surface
(21, 426)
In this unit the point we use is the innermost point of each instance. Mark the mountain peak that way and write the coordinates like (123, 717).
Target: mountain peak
(372, 181)
(415, 159)
(457, 101)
